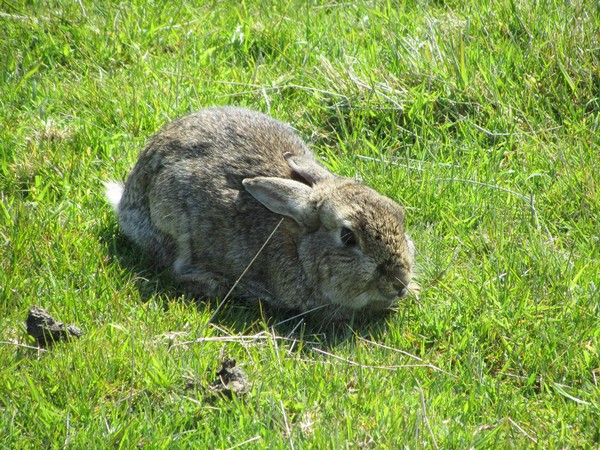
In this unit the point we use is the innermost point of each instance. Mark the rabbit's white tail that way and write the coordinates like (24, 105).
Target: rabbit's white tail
(114, 192)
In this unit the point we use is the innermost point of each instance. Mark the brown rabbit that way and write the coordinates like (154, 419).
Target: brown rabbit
(209, 189)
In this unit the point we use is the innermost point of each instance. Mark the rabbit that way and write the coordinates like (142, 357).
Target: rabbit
(209, 189)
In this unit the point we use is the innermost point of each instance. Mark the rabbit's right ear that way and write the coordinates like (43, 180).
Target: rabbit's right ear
(282, 196)
(307, 168)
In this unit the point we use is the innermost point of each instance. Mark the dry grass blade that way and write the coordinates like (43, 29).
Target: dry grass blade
(375, 367)
(248, 441)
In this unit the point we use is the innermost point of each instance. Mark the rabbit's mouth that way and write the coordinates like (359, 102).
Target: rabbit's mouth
(378, 307)
(371, 300)
(384, 303)
(393, 296)
(385, 300)
(372, 295)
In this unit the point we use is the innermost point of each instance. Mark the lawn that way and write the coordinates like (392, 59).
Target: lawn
(481, 118)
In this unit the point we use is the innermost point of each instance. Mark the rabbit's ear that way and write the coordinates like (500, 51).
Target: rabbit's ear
(282, 196)
(307, 168)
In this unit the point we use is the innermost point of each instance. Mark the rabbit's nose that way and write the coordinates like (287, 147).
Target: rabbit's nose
(401, 289)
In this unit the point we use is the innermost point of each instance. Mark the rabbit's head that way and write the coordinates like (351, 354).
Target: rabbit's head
(351, 241)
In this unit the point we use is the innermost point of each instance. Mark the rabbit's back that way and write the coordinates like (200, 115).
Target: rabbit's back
(235, 142)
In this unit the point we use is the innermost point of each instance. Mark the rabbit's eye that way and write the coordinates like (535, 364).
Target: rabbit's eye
(347, 236)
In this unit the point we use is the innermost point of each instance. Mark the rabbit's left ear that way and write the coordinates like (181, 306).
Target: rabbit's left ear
(282, 196)
(307, 168)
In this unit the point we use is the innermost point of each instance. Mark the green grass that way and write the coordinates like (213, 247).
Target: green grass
(482, 118)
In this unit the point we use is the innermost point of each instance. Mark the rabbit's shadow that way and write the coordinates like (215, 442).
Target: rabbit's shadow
(237, 316)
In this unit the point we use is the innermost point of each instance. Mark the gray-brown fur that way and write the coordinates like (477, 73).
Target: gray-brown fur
(208, 190)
